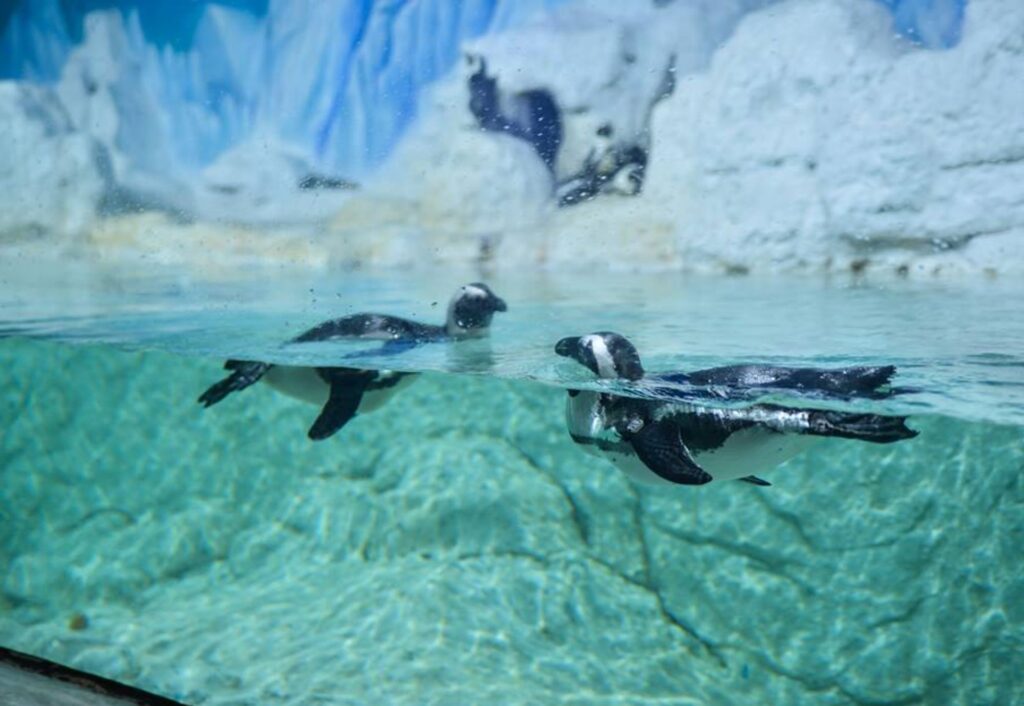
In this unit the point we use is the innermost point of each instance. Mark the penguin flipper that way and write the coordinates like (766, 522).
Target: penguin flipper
(347, 388)
(662, 450)
(754, 480)
(244, 373)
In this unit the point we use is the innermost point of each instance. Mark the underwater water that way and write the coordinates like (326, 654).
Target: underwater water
(455, 547)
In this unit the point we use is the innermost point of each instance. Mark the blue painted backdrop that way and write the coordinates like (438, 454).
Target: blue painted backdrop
(337, 78)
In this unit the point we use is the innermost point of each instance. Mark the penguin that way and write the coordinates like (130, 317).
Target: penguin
(678, 442)
(531, 115)
(618, 170)
(342, 392)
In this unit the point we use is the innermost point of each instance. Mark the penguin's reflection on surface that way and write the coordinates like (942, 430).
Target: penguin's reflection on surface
(470, 356)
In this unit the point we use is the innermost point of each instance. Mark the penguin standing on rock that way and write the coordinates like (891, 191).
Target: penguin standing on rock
(675, 442)
(344, 392)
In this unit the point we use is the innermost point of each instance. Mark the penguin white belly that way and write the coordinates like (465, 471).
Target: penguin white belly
(374, 399)
(744, 453)
(633, 467)
(301, 383)
(306, 384)
(750, 452)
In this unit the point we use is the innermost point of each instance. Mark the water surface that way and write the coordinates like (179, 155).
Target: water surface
(455, 547)
(959, 343)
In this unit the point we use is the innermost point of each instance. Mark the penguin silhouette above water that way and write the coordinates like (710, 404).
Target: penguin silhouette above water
(343, 392)
(676, 442)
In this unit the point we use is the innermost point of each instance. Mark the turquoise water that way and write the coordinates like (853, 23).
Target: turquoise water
(455, 547)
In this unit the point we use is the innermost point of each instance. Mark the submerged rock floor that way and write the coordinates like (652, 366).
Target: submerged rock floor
(456, 548)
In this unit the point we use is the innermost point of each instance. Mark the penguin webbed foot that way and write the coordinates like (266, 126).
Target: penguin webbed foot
(244, 373)
(874, 428)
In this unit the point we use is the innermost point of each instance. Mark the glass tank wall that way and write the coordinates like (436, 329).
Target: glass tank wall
(553, 351)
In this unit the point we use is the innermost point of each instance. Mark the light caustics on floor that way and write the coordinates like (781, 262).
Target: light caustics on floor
(455, 547)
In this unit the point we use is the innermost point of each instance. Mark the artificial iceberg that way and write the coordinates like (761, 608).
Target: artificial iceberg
(391, 133)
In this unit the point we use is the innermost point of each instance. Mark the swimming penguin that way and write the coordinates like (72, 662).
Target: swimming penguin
(676, 442)
(344, 392)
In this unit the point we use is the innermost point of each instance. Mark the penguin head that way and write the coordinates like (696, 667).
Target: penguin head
(471, 309)
(607, 354)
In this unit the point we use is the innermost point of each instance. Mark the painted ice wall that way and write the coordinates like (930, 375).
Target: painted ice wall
(501, 129)
(166, 92)
(336, 78)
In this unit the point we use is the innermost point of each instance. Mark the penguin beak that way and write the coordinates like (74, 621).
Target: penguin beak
(567, 347)
(499, 304)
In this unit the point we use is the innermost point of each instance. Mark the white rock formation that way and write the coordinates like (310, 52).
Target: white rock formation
(816, 137)
(606, 64)
(451, 192)
(258, 182)
(813, 138)
(49, 175)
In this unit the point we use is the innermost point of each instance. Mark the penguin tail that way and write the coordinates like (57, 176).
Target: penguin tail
(875, 428)
(244, 373)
